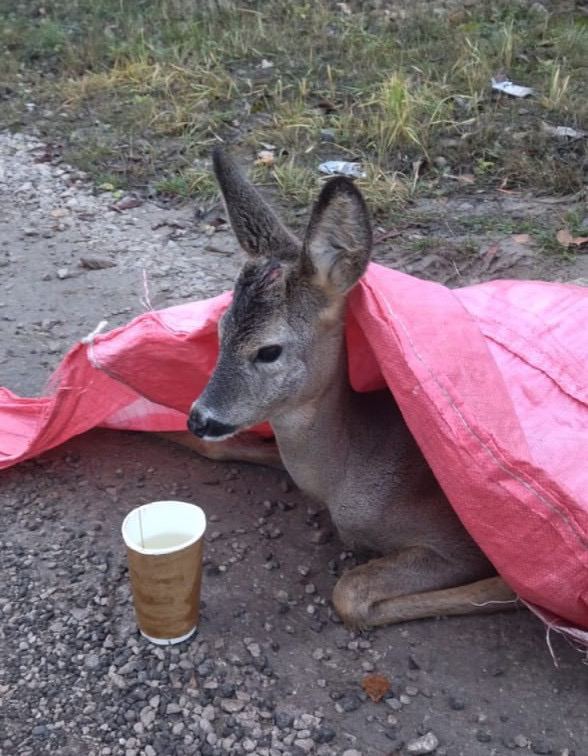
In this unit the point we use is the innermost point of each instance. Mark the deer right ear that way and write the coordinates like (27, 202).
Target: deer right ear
(258, 229)
(338, 241)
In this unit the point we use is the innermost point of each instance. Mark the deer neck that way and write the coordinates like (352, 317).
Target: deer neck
(313, 437)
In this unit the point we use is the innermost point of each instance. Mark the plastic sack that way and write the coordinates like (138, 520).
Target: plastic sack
(491, 379)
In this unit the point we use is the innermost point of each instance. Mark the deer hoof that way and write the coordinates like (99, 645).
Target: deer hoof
(350, 602)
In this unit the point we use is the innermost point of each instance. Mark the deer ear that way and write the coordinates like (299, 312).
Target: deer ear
(257, 228)
(338, 241)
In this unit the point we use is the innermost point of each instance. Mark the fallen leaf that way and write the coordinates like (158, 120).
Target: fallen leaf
(565, 238)
(376, 686)
(491, 251)
(384, 235)
(126, 203)
(466, 178)
(96, 263)
(327, 106)
(521, 238)
(265, 157)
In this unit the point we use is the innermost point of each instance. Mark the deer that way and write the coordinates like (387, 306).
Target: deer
(282, 359)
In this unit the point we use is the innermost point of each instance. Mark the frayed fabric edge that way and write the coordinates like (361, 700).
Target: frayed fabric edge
(577, 637)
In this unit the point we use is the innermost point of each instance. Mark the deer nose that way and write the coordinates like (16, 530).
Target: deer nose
(197, 424)
(207, 427)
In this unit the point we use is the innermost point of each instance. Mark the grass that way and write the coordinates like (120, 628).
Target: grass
(139, 90)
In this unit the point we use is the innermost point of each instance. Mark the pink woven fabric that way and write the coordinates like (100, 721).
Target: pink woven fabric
(492, 380)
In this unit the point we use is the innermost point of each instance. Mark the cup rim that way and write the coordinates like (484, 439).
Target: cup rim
(166, 550)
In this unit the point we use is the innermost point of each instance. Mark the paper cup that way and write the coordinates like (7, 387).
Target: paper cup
(164, 547)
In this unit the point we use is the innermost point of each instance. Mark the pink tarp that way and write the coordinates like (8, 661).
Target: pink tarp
(492, 380)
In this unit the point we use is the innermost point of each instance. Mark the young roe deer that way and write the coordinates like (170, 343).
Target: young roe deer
(283, 359)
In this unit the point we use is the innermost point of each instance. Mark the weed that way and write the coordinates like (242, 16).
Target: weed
(191, 182)
(296, 183)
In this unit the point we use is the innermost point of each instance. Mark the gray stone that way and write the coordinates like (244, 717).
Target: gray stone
(426, 744)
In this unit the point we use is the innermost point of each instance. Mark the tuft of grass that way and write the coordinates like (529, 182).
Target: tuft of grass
(296, 184)
(189, 183)
(384, 191)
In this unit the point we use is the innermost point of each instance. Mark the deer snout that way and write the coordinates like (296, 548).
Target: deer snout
(207, 427)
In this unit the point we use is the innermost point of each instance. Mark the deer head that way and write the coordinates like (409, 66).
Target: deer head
(281, 338)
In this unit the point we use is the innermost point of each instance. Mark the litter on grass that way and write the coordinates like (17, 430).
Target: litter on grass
(563, 131)
(342, 168)
(515, 90)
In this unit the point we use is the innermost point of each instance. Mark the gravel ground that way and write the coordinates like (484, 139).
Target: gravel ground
(272, 671)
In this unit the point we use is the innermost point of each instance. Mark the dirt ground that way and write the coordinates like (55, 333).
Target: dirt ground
(272, 670)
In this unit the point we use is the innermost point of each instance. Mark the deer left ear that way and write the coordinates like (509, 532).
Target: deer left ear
(338, 240)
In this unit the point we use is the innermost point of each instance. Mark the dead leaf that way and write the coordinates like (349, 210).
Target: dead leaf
(327, 106)
(491, 252)
(565, 238)
(376, 686)
(170, 223)
(96, 263)
(266, 158)
(126, 203)
(384, 235)
(466, 178)
(521, 238)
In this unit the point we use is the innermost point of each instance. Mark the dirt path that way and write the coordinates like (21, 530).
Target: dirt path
(272, 671)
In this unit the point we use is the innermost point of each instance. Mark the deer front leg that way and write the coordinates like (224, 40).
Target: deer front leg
(414, 584)
(245, 447)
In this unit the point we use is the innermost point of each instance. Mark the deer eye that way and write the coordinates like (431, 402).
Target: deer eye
(268, 353)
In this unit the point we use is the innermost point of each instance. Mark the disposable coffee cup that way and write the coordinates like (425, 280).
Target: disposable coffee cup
(164, 542)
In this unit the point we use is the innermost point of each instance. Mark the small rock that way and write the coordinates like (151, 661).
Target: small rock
(63, 273)
(254, 650)
(427, 744)
(92, 661)
(147, 716)
(232, 706)
(283, 719)
(321, 536)
(305, 744)
(521, 741)
(324, 734)
(541, 747)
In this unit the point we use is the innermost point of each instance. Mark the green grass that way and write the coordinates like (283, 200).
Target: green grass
(151, 85)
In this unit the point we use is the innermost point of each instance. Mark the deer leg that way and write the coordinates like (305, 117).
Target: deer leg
(245, 447)
(414, 584)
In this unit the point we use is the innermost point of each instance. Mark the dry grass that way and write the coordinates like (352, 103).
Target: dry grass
(140, 91)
